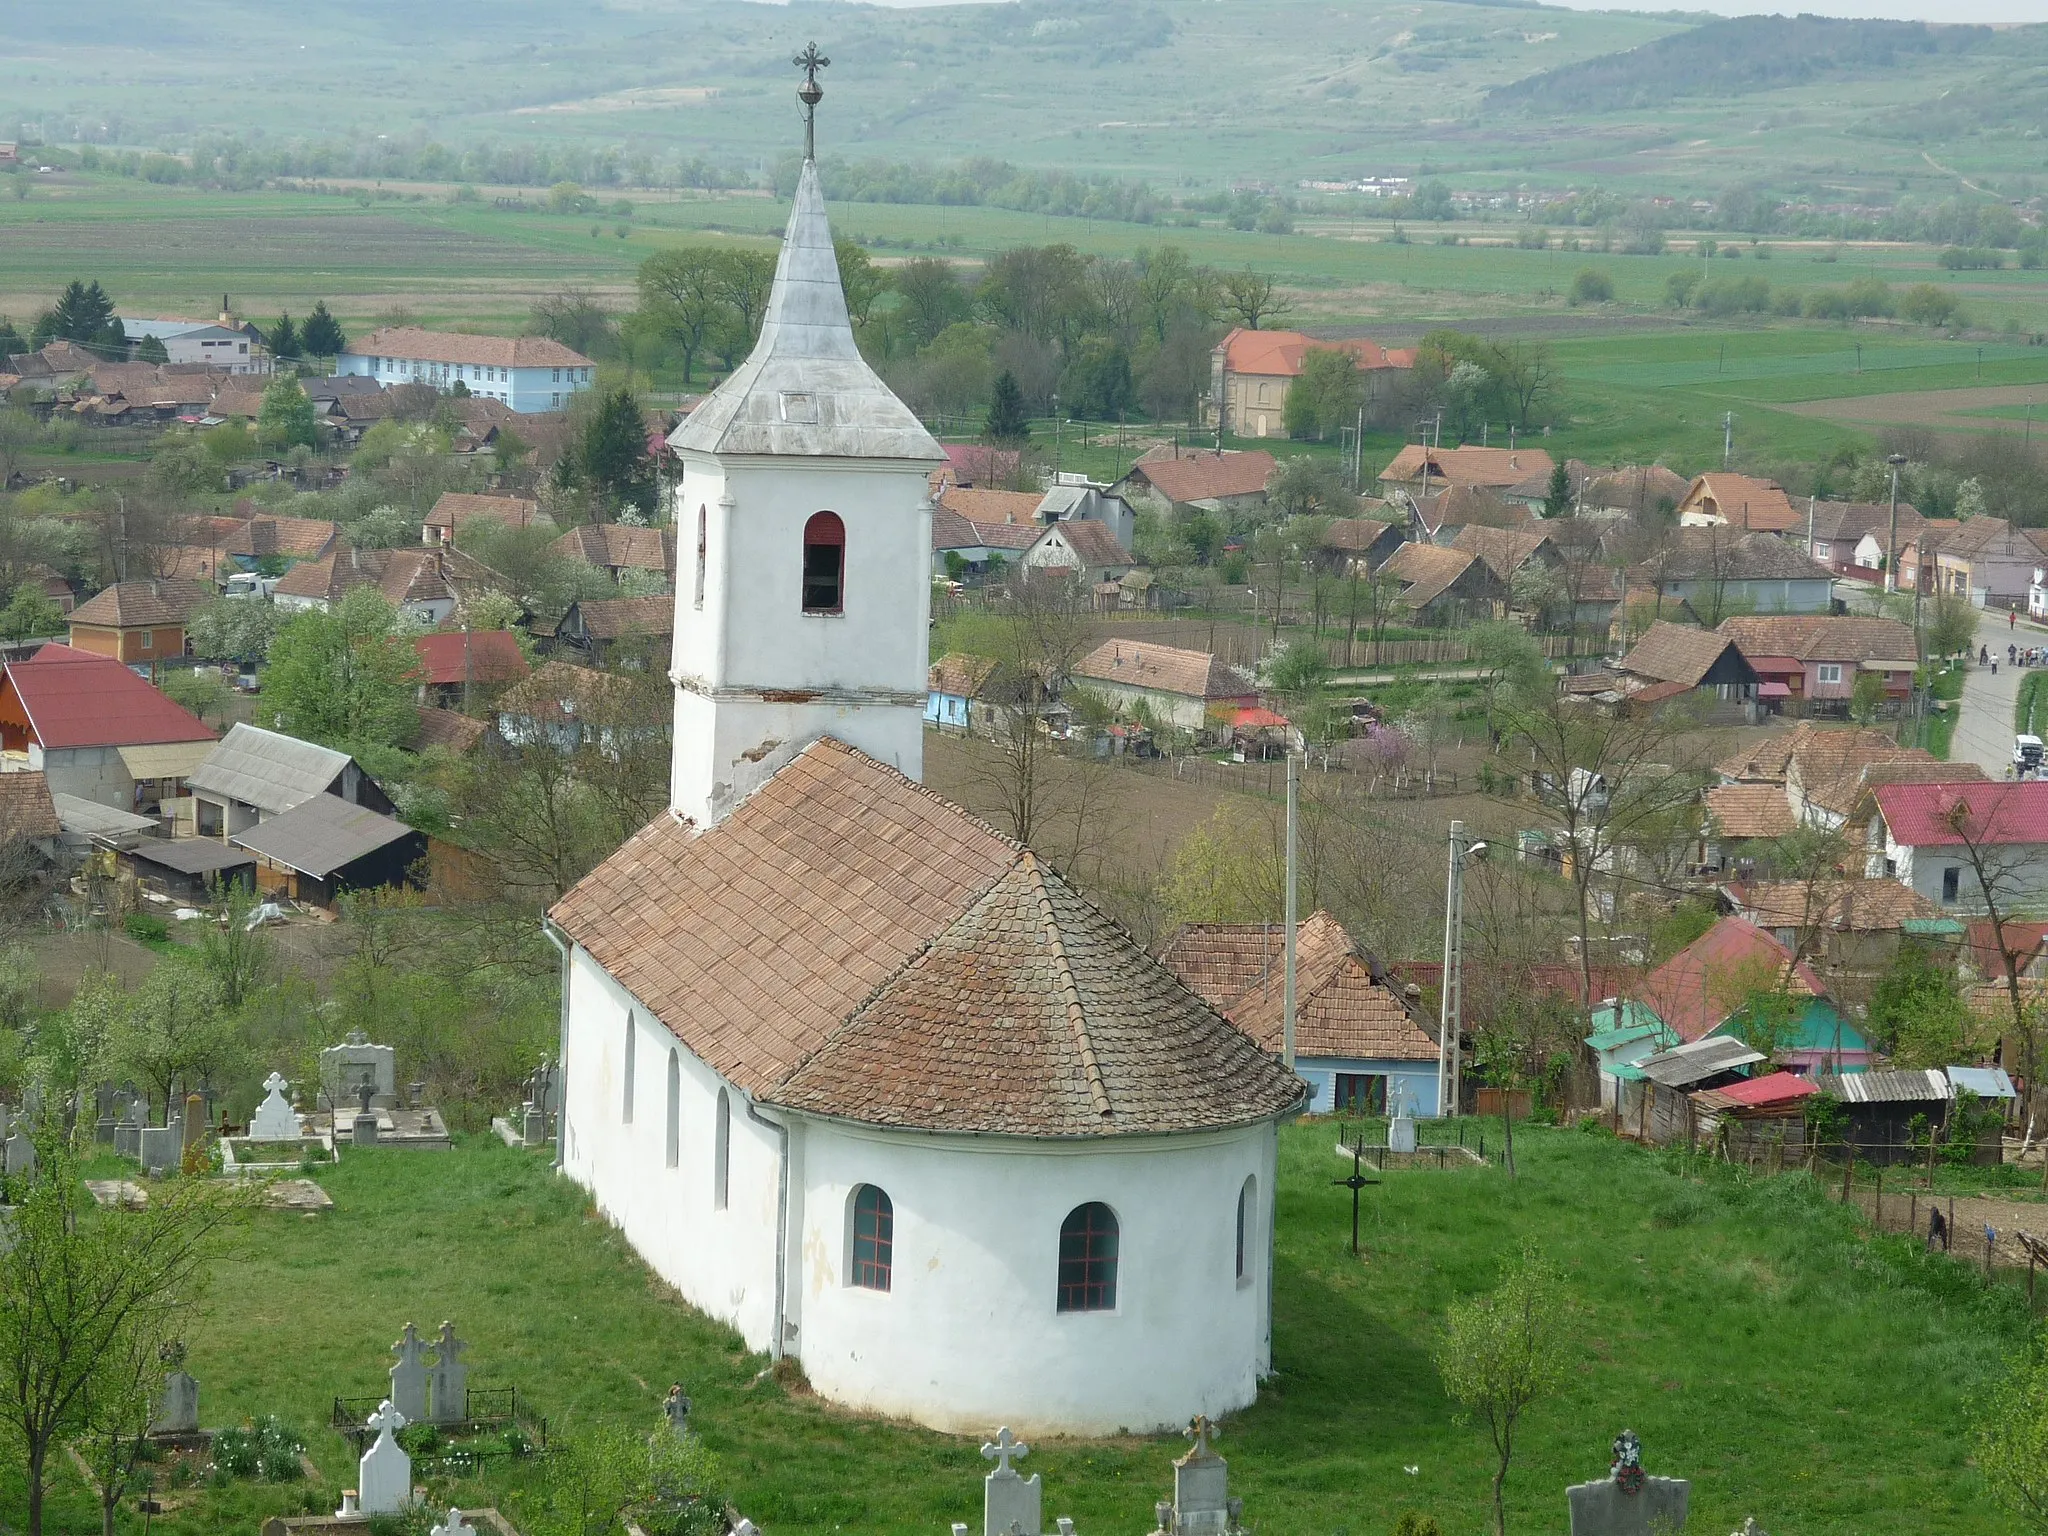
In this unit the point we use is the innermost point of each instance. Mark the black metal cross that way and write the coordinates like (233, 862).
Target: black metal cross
(810, 93)
(1355, 1183)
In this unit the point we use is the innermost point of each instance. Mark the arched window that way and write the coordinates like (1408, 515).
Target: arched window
(824, 564)
(874, 1238)
(675, 1109)
(703, 548)
(1088, 1240)
(721, 1151)
(626, 1110)
(1247, 1216)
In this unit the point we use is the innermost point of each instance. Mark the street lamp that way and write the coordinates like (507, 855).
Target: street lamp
(1451, 1015)
(1891, 549)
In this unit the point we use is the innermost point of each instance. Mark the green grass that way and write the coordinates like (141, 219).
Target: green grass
(1758, 1344)
(1938, 731)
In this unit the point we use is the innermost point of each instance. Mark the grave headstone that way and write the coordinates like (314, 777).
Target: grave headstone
(345, 1068)
(1401, 1134)
(1201, 1486)
(192, 1152)
(275, 1119)
(450, 1377)
(533, 1128)
(454, 1526)
(159, 1147)
(1628, 1502)
(384, 1475)
(178, 1410)
(7, 1118)
(21, 1154)
(1009, 1503)
(128, 1132)
(409, 1375)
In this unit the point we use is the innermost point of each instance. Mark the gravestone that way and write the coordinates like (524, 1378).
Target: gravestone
(384, 1475)
(1401, 1134)
(346, 1068)
(454, 1526)
(364, 1132)
(1628, 1502)
(103, 1115)
(160, 1146)
(450, 1378)
(275, 1119)
(409, 1376)
(1202, 1505)
(676, 1409)
(128, 1131)
(178, 1409)
(21, 1154)
(1009, 1503)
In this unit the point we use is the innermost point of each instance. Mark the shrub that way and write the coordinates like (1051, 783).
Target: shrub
(1826, 304)
(1869, 295)
(1592, 286)
(146, 928)
(1785, 302)
(1927, 304)
(1734, 295)
(1412, 1524)
(1973, 258)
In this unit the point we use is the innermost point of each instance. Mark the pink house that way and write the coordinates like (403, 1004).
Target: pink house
(1820, 656)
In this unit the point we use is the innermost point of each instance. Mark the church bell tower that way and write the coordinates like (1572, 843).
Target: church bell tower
(803, 540)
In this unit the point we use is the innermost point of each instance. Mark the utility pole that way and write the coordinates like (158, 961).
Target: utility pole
(1809, 526)
(1358, 455)
(1891, 548)
(1727, 438)
(1056, 438)
(1287, 985)
(1451, 1017)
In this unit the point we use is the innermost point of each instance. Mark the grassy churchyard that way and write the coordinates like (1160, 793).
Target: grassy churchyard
(1760, 1345)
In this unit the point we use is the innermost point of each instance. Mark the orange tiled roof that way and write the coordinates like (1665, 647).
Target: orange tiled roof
(1279, 354)
(1749, 810)
(415, 344)
(1494, 468)
(1165, 669)
(1742, 501)
(132, 604)
(1857, 906)
(616, 546)
(1207, 476)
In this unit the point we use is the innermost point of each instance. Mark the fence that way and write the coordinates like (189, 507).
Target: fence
(495, 1426)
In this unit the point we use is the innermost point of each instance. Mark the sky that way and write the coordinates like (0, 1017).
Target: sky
(1889, 10)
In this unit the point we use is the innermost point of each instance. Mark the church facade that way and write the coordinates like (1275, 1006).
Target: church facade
(854, 1072)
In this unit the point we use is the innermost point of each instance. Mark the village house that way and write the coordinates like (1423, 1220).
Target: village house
(528, 373)
(1251, 372)
(1197, 478)
(1437, 518)
(567, 707)
(1840, 926)
(1357, 546)
(1810, 662)
(423, 584)
(978, 548)
(1507, 550)
(600, 629)
(210, 344)
(1631, 490)
(1948, 840)
(447, 731)
(97, 731)
(1711, 986)
(1675, 659)
(1712, 572)
(1422, 472)
(1986, 559)
(1188, 690)
(1088, 550)
(1851, 538)
(953, 691)
(455, 510)
(252, 774)
(1625, 1033)
(1072, 501)
(616, 548)
(1442, 586)
(138, 623)
(459, 667)
(1361, 1042)
(1724, 500)
(326, 846)
(1741, 824)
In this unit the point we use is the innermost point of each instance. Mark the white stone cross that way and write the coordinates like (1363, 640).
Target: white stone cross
(1004, 1449)
(386, 1420)
(275, 1119)
(454, 1527)
(384, 1475)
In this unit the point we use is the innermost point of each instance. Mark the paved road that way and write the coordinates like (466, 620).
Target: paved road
(1985, 730)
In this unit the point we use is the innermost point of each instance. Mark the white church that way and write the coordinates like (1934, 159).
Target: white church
(851, 1070)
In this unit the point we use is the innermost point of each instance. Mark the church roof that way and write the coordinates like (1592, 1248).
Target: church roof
(806, 391)
(849, 944)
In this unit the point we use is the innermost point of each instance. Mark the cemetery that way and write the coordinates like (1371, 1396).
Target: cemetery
(555, 1337)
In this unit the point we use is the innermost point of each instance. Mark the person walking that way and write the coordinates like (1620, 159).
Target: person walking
(2012, 619)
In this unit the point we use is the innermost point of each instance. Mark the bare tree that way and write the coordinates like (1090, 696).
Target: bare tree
(1041, 639)
(2001, 868)
(1252, 297)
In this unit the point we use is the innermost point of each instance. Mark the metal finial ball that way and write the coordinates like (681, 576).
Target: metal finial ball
(810, 93)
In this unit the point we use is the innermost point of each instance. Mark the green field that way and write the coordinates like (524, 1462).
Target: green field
(1792, 1368)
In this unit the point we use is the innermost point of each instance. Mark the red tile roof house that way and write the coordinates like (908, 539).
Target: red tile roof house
(1703, 989)
(1189, 690)
(1212, 482)
(97, 731)
(1426, 471)
(1250, 373)
(1830, 652)
(1935, 837)
(458, 667)
(1988, 556)
(456, 509)
(1089, 550)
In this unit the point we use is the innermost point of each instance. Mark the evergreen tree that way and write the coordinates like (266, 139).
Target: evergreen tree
(83, 312)
(321, 335)
(283, 339)
(613, 454)
(151, 350)
(1006, 422)
(1557, 499)
(10, 339)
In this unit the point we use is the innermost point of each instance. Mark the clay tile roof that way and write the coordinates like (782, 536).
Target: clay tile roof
(1988, 536)
(1852, 519)
(1206, 476)
(1823, 637)
(445, 728)
(1701, 985)
(417, 575)
(1011, 536)
(1278, 354)
(980, 506)
(619, 547)
(1505, 550)
(1427, 570)
(1497, 468)
(458, 507)
(132, 604)
(952, 531)
(613, 618)
(849, 944)
(1995, 814)
(1858, 906)
(1766, 761)
(1742, 501)
(958, 675)
(1638, 488)
(1165, 669)
(415, 344)
(1353, 535)
(1460, 506)
(1749, 810)
(302, 538)
(1345, 1005)
(1091, 540)
(470, 656)
(26, 809)
(1676, 653)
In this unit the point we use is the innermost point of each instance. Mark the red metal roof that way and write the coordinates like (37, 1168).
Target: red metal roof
(473, 656)
(75, 699)
(1259, 719)
(1774, 1089)
(1926, 815)
(1701, 985)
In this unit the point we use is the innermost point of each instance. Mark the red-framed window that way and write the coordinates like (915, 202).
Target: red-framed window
(1088, 1253)
(874, 1238)
(824, 564)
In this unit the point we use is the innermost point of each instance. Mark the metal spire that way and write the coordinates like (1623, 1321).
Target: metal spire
(810, 93)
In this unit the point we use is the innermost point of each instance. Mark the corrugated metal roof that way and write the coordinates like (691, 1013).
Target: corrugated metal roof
(1884, 1087)
(191, 855)
(165, 760)
(321, 835)
(1985, 1082)
(1685, 1065)
(267, 770)
(88, 818)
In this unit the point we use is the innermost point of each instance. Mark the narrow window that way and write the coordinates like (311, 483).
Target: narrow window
(824, 564)
(721, 1152)
(1951, 882)
(874, 1238)
(675, 1109)
(627, 1113)
(1247, 1198)
(1088, 1253)
(703, 548)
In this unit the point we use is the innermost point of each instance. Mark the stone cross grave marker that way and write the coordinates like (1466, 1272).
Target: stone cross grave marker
(178, 1410)
(128, 1131)
(676, 1409)
(1629, 1502)
(409, 1375)
(1201, 1485)
(450, 1378)
(346, 1067)
(21, 1154)
(1009, 1503)
(384, 1476)
(454, 1527)
(275, 1119)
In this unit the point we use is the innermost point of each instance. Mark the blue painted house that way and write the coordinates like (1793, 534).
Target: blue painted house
(953, 691)
(1361, 1042)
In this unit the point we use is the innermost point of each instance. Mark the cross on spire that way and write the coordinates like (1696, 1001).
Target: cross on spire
(1004, 1449)
(810, 93)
